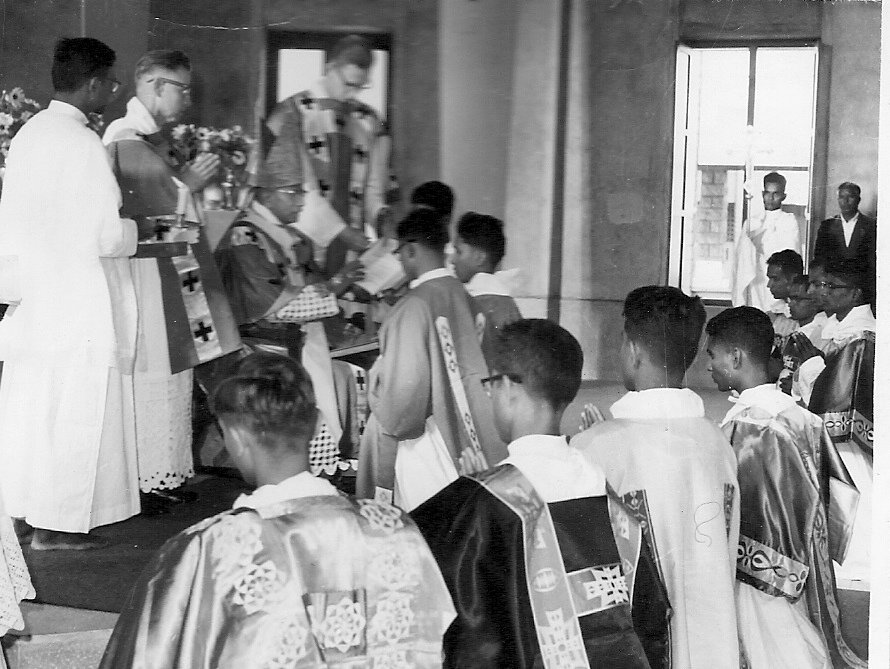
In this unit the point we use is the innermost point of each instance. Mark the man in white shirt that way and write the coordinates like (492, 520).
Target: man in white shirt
(677, 471)
(773, 231)
(67, 440)
(515, 542)
(851, 234)
(295, 574)
(786, 599)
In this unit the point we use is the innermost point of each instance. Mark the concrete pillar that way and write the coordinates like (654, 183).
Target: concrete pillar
(475, 96)
(530, 163)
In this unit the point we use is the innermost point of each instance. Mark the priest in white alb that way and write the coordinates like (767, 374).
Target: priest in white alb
(67, 433)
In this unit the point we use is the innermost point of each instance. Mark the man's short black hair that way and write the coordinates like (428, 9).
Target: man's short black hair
(789, 263)
(667, 323)
(77, 60)
(271, 396)
(746, 328)
(435, 195)
(352, 50)
(424, 227)
(774, 178)
(162, 59)
(485, 233)
(545, 356)
(848, 270)
(850, 186)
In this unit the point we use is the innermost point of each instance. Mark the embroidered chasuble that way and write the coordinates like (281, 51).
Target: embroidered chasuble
(798, 507)
(66, 395)
(560, 585)
(677, 473)
(334, 149)
(430, 417)
(314, 582)
(843, 396)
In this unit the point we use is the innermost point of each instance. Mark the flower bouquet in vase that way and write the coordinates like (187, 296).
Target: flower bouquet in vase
(15, 110)
(232, 146)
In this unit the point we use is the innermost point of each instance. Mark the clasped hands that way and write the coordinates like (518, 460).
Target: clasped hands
(200, 171)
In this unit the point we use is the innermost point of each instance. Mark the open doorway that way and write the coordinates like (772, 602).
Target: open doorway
(741, 112)
(297, 59)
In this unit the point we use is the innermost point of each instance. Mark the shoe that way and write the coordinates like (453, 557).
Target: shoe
(178, 496)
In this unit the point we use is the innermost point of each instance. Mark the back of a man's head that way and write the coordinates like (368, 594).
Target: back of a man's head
(77, 60)
(745, 328)
(271, 397)
(667, 323)
(484, 232)
(437, 196)
(788, 261)
(169, 60)
(545, 356)
(424, 227)
(352, 50)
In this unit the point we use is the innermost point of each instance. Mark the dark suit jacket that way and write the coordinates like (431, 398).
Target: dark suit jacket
(830, 243)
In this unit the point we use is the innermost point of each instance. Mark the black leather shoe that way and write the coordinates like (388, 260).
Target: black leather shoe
(177, 496)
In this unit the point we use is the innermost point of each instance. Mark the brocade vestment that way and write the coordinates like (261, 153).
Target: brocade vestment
(788, 471)
(545, 569)
(677, 472)
(843, 396)
(295, 576)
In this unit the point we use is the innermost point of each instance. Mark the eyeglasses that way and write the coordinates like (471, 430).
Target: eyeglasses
(487, 381)
(829, 285)
(288, 191)
(115, 85)
(185, 88)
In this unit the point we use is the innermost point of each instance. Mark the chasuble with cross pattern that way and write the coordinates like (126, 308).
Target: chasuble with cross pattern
(331, 147)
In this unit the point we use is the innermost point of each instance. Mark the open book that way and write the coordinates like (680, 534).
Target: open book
(382, 268)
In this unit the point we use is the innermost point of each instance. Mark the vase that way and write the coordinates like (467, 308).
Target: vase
(230, 188)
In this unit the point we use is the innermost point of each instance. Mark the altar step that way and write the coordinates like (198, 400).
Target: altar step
(58, 637)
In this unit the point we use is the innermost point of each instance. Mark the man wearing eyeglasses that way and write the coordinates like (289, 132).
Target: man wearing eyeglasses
(184, 315)
(842, 381)
(66, 445)
(268, 275)
(332, 145)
